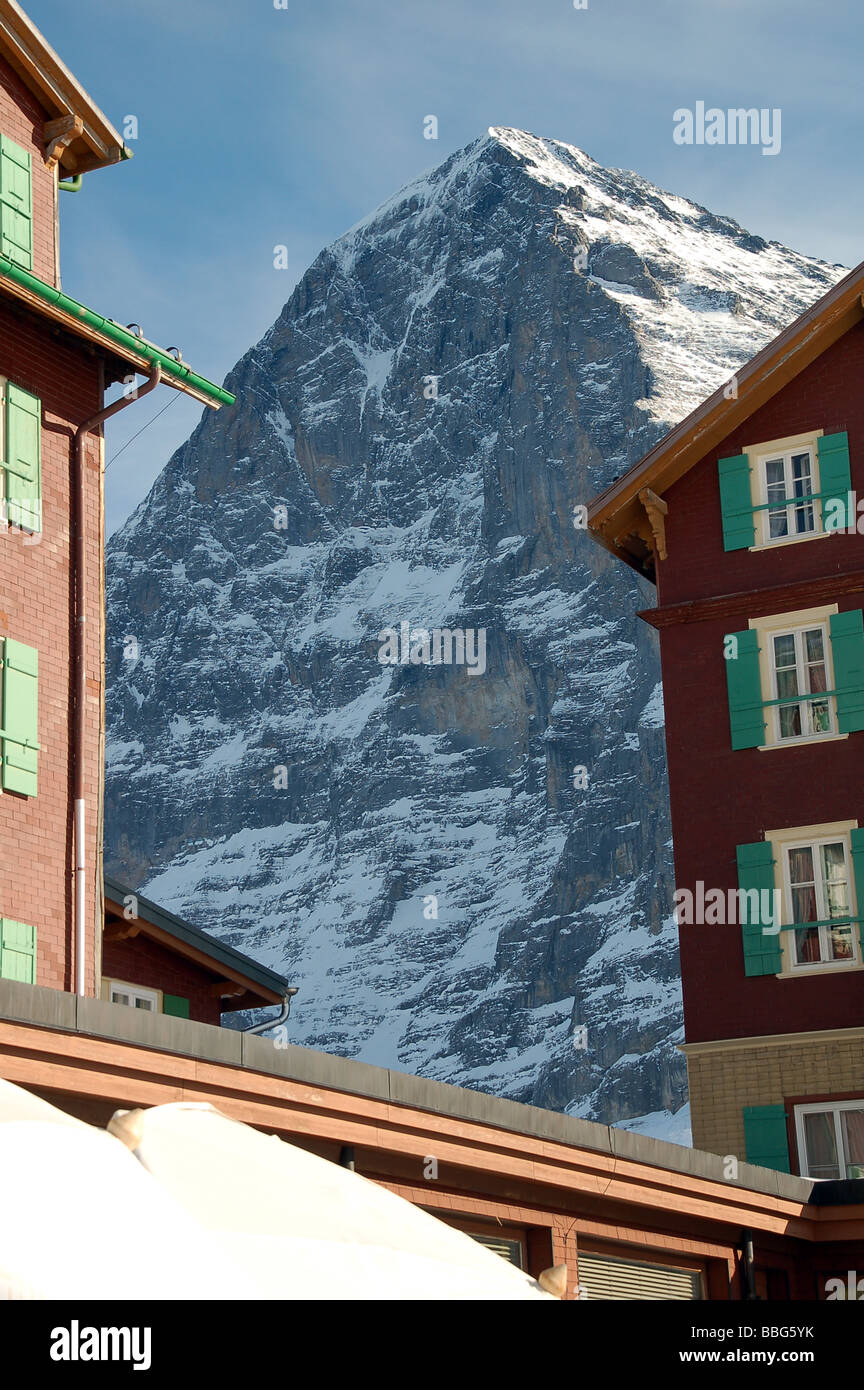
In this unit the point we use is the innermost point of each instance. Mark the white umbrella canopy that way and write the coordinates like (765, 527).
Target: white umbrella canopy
(307, 1227)
(81, 1219)
(212, 1210)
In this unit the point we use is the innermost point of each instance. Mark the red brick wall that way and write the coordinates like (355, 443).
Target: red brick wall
(23, 119)
(719, 797)
(36, 832)
(140, 961)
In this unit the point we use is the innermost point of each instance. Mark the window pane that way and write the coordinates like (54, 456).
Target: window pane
(801, 866)
(790, 721)
(802, 481)
(836, 891)
(820, 719)
(802, 486)
(834, 862)
(118, 997)
(815, 646)
(807, 950)
(776, 492)
(821, 1145)
(852, 1125)
(805, 520)
(840, 943)
(775, 478)
(144, 1004)
(804, 905)
(784, 650)
(836, 900)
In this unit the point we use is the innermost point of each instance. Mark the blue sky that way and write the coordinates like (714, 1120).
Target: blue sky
(260, 126)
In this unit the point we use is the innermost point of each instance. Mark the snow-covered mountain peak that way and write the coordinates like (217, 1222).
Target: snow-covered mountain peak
(409, 842)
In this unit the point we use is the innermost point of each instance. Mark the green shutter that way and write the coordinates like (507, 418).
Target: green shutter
(744, 688)
(16, 204)
(857, 841)
(847, 650)
(762, 954)
(17, 951)
(175, 1004)
(835, 480)
(736, 503)
(765, 1138)
(20, 732)
(23, 461)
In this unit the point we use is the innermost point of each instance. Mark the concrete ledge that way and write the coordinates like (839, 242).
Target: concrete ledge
(159, 1031)
(314, 1068)
(34, 1004)
(701, 1164)
(661, 1154)
(463, 1103)
(51, 1008)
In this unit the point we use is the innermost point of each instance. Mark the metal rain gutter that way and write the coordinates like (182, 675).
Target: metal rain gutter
(275, 1022)
(170, 366)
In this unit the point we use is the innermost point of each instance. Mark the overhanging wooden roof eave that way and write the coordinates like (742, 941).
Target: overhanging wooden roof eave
(222, 960)
(617, 509)
(58, 91)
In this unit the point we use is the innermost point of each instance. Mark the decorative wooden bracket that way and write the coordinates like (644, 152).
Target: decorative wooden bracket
(656, 510)
(227, 989)
(58, 135)
(117, 931)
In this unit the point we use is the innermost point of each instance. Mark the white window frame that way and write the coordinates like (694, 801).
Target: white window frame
(759, 455)
(823, 1108)
(814, 845)
(797, 633)
(793, 504)
(776, 624)
(793, 837)
(135, 992)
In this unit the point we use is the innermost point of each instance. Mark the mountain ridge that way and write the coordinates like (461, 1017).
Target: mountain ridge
(447, 381)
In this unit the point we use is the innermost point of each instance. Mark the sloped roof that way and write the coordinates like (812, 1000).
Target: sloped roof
(263, 985)
(58, 92)
(617, 517)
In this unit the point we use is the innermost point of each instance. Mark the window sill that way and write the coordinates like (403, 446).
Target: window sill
(801, 742)
(791, 540)
(832, 968)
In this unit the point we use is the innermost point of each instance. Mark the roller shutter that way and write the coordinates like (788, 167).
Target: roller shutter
(611, 1278)
(508, 1249)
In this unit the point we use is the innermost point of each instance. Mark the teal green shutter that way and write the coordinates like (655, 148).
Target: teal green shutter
(23, 461)
(16, 204)
(175, 1004)
(857, 841)
(762, 954)
(17, 951)
(765, 1136)
(847, 651)
(736, 503)
(744, 688)
(835, 481)
(20, 733)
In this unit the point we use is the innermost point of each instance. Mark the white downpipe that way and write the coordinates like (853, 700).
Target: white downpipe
(80, 891)
(78, 728)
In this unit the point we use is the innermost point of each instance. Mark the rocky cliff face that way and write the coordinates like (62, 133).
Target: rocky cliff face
(406, 842)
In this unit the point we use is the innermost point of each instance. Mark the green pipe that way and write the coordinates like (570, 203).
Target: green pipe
(71, 185)
(170, 366)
